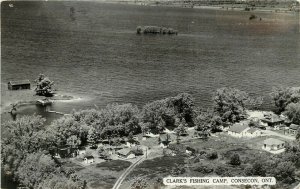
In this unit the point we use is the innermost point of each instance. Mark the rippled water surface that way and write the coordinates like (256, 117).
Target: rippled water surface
(95, 54)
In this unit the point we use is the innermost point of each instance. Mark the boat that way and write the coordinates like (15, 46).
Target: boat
(44, 102)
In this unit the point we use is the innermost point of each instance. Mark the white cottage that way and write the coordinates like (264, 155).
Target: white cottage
(238, 130)
(88, 159)
(274, 145)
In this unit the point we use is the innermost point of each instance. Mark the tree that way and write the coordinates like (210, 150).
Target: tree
(35, 168)
(235, 159)
(73, 141)
(293, 112)
(229, 104)
(139, 183)
(285, 172)
(43, 86)
(203, 120)
(181, 131)
(20, 137)
(92, 137)
(165, 112)
(284, 96)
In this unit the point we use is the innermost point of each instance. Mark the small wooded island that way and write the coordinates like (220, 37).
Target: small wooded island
(155, 30)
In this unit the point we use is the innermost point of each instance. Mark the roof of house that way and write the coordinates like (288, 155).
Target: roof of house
(81, 148)
(273, 141)
(238, 128)
(294, 126)
(124, 151)
(252, 130)
(89, 157)
(272, 118)
(19, 82)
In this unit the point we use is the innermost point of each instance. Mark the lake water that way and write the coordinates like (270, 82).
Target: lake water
(94, 52)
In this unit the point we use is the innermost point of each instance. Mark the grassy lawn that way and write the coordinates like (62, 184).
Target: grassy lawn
(161, 166)
(115, 165)
(99, 176)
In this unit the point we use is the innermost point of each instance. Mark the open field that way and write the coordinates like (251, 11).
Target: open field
(102, 175)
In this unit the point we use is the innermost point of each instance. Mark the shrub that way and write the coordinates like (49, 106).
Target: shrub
(221, 170)
(212, 155)
(235, 160)
(204, 168)
(248, 171)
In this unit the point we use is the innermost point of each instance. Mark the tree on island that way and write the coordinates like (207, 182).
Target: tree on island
(44, 86)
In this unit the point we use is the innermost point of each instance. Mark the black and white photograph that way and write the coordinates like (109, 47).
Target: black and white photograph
(150, 94)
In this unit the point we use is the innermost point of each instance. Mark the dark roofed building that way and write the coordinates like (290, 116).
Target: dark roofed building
(272, 120)
(126, 153)
(21, 84)
(88, 159)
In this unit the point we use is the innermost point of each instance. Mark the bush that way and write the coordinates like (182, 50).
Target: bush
(248, 171)
(138, 152)
(235, 160)
(221, 170)
(177, 170)
(212, 155)
(204, 168)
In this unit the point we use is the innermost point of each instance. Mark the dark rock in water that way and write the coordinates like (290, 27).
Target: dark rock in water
(252, 17)
(155, 30)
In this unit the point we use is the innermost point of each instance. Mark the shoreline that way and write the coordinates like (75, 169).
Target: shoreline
(28, 97)
(224, 7)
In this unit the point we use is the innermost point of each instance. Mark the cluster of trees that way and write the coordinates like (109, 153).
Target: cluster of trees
(25, 156)
(229, 106)
(125, 120)
(287, 101)
(282, 166)
(93, 125)
(282, 97)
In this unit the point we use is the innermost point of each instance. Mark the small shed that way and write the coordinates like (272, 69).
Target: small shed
(272, 144)
(88, 159)
(20, 84)
(293, 129)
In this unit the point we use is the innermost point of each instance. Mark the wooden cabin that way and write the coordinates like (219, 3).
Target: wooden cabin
(17, 85)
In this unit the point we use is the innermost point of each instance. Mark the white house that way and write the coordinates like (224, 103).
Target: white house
(81, 151)
(273, 145)
(238, 130)
(88, 159)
